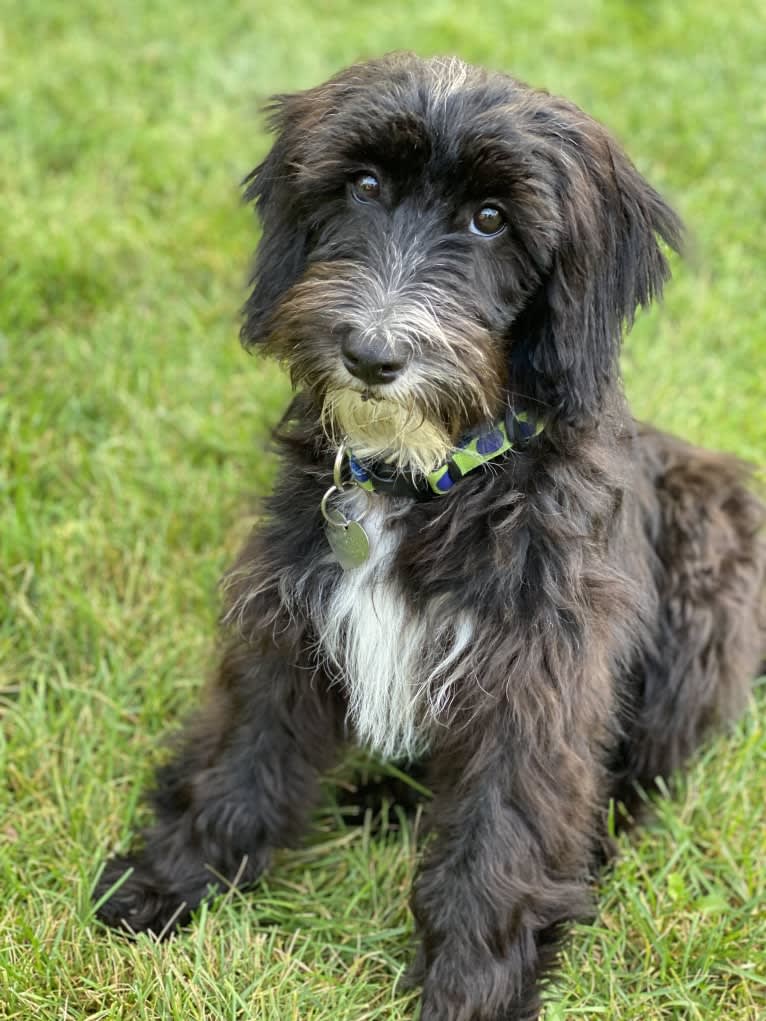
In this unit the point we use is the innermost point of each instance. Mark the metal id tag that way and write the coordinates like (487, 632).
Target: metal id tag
(349, 542)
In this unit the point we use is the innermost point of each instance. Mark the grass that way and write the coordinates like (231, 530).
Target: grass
(132, 430)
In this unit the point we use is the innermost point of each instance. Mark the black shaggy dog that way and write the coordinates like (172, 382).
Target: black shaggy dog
(474, 558)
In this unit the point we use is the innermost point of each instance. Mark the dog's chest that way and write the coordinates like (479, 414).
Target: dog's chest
(398, 660)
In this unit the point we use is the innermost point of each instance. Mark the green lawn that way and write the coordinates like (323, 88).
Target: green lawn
(132, 428)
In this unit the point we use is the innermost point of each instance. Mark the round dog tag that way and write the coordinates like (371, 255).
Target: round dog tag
(348, 540)
(349, 543)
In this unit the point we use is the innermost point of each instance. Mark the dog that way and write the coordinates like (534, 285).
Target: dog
(474, 559)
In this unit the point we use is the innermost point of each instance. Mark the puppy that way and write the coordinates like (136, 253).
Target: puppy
(474, 559)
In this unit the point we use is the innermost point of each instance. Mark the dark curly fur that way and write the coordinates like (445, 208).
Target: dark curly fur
(576, 619)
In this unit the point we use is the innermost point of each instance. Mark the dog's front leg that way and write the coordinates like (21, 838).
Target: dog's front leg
(508, 867)
(241, 784)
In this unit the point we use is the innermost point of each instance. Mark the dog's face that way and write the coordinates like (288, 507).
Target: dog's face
(438, 240)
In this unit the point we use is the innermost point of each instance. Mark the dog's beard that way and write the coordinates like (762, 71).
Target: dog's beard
(386, 429)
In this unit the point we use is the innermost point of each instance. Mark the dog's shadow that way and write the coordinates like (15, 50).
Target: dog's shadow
(383, 797)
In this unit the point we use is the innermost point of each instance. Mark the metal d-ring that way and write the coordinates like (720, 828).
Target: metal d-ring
(339, 486)
(338, 467)
(326, 513)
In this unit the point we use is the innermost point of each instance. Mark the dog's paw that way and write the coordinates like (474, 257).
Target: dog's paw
(478, 987)
(440, 1012)
(129, 897)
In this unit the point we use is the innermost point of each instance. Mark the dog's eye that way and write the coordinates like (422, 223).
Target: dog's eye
(488, 221)
(365, 187)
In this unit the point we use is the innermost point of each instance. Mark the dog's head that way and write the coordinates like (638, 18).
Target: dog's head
(438, 239)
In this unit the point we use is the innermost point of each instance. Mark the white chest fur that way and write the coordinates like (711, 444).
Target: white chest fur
(399, 662)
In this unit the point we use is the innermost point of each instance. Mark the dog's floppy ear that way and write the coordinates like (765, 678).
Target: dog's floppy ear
(606, 264)
(281, 255)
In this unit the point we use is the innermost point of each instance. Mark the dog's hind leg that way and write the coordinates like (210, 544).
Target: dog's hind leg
(706, 530)
(242, 783)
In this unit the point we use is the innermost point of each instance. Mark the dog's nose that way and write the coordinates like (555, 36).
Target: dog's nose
(370, 362)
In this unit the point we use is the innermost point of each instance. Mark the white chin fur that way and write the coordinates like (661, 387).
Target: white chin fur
(387, 430)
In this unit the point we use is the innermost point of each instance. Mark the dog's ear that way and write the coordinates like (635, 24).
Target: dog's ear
(281, 255)
(606, 264)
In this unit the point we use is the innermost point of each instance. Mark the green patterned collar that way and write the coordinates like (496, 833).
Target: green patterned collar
(474, 450)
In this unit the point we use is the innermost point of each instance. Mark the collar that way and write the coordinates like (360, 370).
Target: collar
(474, 450)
